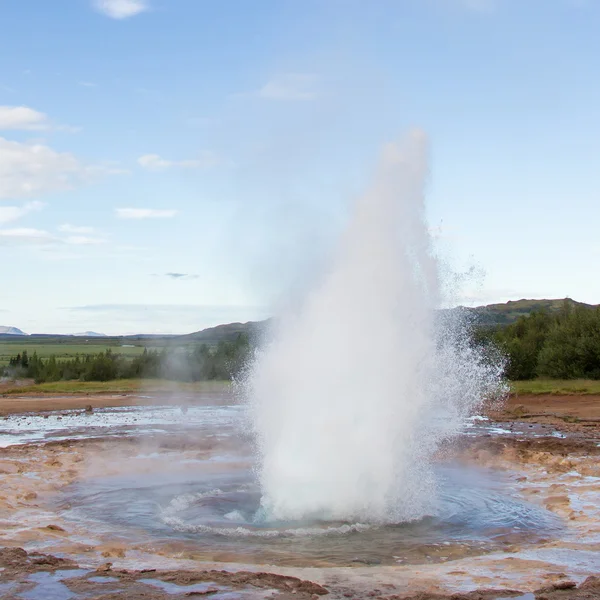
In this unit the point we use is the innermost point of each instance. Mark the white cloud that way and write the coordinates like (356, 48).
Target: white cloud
(290, 86)
(154, 162)
(28, 170)
(89, 84)
(181, 276)
(22, 117)
(39, 237)
(67, 228)
(26, 236)
(27, 119)
(12, 213)
(120, 9)
(144, 213)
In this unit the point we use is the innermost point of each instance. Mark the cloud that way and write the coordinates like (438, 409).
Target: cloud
(89, 84)
(67, 228)
(28, 169)
(154, 162)
(290, 86)
(22, 117)
(178, 276)
(26, 236)
(37, 237)
(12, 213)
(145, 213)
(121, 9)
(27, 119)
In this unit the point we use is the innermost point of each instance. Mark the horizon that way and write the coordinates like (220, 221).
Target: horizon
(100, 334)
(167, 187)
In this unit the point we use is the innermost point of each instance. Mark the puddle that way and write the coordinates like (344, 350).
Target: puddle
(104, 422)
(49, 585)
(6, 587)
(173, 588)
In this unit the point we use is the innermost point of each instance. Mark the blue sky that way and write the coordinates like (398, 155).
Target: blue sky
(167, 165)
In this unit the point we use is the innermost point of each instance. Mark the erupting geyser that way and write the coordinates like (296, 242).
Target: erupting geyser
(355, 391)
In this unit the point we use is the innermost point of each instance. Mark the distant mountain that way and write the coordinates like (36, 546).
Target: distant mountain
(89, 334)
(490, 315)
(509, 312)
(10, 331)
(225, 333)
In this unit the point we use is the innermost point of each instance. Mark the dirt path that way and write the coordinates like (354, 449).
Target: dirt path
(27, 403)
(571, 413)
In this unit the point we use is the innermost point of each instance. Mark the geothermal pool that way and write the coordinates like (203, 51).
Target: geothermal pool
(187, 477)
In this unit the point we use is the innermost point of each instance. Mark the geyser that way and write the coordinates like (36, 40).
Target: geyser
(355, 390)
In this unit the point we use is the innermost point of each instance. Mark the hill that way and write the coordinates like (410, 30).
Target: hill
(224, 333)
(489, 315)
(10, 331)
(509, 312)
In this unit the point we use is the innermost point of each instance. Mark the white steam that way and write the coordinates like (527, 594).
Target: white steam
(355, 391)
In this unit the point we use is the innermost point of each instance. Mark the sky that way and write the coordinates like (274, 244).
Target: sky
(168, 165)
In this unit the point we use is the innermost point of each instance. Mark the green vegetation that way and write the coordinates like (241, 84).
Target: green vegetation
(118, 386)
(193, 363)
(554, 345)
(69, 346)
(509, 312)
(10, 348)
(559, 387)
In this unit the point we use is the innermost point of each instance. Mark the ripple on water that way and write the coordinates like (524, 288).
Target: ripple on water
(220, 512)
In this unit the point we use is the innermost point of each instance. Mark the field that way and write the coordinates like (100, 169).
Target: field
(9, 348)
(118, 386)
(556, 387)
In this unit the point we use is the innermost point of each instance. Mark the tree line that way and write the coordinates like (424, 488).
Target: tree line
(199, 363)
(560, 345)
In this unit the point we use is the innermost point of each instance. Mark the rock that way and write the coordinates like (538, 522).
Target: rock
(104, 568)
(114, 553)
(591, 583)
(54, 528)
(89, 409)
(565, 585)
(559, 585)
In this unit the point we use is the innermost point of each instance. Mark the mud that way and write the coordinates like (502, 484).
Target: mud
(571, 413)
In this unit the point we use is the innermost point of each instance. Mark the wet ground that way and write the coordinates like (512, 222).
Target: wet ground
(171, 488)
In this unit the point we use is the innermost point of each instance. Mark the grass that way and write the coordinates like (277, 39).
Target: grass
(123, 386)
(570, 387)
(118, 386)
(11, 348)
